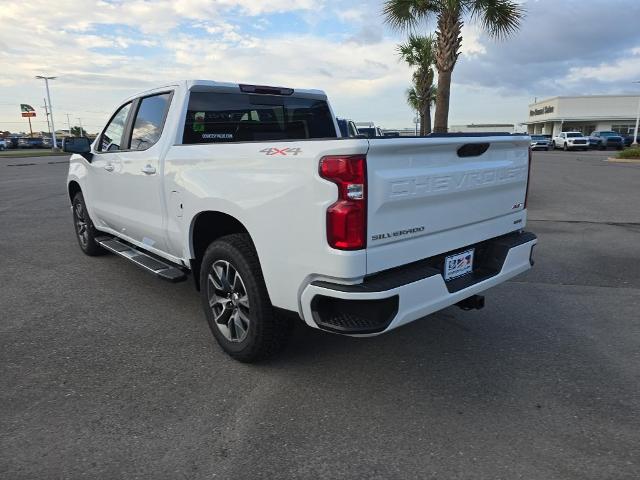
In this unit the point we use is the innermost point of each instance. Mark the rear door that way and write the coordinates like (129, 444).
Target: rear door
(427, 196)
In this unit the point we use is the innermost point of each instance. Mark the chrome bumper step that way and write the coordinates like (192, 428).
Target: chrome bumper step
(161, 268)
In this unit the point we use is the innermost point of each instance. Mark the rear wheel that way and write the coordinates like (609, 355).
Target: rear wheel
(236, 302)
(85, 231)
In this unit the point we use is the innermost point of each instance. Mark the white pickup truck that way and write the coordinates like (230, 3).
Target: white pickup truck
(251, 190)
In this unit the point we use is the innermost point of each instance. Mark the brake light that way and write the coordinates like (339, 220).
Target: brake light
(347, 217)
(526, 195)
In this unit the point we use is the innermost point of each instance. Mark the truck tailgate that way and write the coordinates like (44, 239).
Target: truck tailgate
(426, 197)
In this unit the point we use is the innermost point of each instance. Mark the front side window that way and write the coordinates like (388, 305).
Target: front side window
(149, 122)
(113, 135)
(240, 117)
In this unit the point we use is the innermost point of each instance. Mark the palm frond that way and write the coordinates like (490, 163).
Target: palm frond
(499, 18)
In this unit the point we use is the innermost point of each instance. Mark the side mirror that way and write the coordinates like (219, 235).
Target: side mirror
(80, 145)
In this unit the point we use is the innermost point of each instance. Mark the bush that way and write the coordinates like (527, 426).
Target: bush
(633, 152)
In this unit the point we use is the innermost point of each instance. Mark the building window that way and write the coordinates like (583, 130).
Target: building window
(623, 128)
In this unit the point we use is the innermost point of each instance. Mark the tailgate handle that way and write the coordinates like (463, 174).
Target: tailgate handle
(473, 149)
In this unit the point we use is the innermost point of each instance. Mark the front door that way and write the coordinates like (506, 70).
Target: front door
(140, 206)
(101, 180)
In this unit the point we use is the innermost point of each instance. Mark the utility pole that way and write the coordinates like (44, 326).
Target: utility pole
(636, 133)
(69, 124)
(46, 112)
(53, 128)
(81, 130)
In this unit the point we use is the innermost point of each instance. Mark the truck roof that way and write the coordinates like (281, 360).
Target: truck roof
(204, 85)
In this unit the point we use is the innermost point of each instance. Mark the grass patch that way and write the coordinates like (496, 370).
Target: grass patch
(36, 152)
(633, 153)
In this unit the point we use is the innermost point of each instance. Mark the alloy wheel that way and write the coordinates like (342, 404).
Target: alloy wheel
(228, 300)
(82, 227)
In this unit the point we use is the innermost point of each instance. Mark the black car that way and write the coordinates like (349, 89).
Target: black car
(604, 139)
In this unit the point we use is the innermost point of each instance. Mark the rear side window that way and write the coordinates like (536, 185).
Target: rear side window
(240, 117)
(113, 135)
(149, 121)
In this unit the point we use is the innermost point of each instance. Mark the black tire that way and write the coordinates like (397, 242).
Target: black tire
(554, 145)
(565, 148)
(262, 331)
(85, 231)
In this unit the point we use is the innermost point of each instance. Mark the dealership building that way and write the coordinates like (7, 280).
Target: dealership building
(583, 114)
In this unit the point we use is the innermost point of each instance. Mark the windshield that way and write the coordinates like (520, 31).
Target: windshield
(608, 134)
(538, 137)
(574, 135)
(239, 117)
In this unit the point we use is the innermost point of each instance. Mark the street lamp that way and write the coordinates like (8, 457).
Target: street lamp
(635, 132)
(53, 128)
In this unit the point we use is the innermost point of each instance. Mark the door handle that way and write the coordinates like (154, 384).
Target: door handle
(108, 167)
(148, 169)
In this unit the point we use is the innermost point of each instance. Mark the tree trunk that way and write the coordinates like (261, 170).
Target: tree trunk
(448, 42)
(441, 118)
(422, 125)
(427, 119)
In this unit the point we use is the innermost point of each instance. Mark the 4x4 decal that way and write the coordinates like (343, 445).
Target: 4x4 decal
(281, 151)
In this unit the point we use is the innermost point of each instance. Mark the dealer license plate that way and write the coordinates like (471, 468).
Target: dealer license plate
(457, 265)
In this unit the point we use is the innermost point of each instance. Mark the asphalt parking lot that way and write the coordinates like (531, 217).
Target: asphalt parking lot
(107, 372)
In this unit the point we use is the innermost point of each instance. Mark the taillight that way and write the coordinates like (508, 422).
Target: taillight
(347, 217)
(526, 195)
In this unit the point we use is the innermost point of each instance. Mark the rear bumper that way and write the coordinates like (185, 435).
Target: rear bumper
(392, 298)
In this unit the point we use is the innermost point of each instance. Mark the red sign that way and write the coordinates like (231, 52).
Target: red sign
(28, 114)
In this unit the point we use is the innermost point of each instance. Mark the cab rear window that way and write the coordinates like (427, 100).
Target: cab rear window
(243, 117)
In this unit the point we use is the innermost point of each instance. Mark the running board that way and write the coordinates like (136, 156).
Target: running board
(161, 268)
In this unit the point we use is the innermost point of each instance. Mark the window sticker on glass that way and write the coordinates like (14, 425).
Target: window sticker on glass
(198, 121)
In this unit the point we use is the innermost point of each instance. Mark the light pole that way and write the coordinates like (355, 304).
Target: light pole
(53, 128)
(635, 132)
(69, 124)
(81, 130)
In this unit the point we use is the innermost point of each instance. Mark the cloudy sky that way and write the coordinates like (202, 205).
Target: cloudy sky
(105, 50)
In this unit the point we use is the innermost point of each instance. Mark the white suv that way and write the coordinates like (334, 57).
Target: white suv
(571, 141)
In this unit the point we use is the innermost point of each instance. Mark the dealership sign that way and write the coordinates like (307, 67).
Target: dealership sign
(27, 110)
(541, 111)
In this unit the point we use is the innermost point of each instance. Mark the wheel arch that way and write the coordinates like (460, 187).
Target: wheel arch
(73, 188)
(206, 227)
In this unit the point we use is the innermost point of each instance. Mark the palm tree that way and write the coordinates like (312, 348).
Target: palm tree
(499, 18)
(419, 52)
(413, 100)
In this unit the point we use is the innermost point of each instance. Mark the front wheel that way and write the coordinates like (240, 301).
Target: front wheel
(565, 148)
(236, 302)
(85, 231)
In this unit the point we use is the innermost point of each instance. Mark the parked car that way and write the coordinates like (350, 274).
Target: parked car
(11, 142)
(347, 127)
(3, 144)
(603, 139)
(30, 142)
(251, 191)
(47, 142)
(370, 132)
(540, 142)
(570, 141)
(628, 139)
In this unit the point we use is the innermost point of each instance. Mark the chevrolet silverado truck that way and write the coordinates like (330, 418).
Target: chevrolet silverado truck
(252, 192)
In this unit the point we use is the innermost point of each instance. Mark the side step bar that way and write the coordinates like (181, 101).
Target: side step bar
(161, 268)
